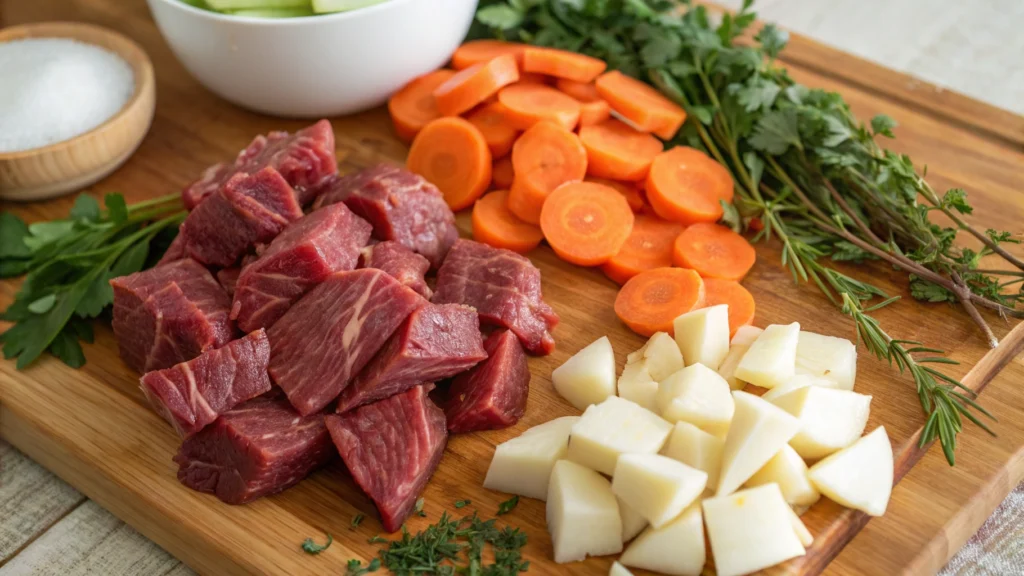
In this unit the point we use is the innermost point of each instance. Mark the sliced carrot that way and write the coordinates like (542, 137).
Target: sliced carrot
(532, 78)
(586, 223)
(480, 51)
(543, 158)
(582, 91)
(453, 155)
(528, 104)
(652, 299)
(641, 104)
(502, 173)
(413, 106)
(562, 64)
(739, 300)
(617, 151)
(471, 86)
(627, 189)
(649, 246)
(495, 225)
(594, 112)
(492, 122)
(685, 185)
(714, 251)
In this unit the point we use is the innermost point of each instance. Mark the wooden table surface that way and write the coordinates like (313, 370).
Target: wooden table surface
(46, 527)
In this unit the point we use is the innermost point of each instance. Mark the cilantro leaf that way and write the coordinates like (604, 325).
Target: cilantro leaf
(117, 210)
(758, 94)
(85, 209)
(311, 547)
(42, 233)
(882, 124)
(772, 39)
(508, 505)
(956, 199)
(660, 50)
(776, 131)
(462, 503)
(12, 237)
(42, 305)
(65, 346)
(1001, 236)
(355, 567)
(500, 16)
(838, 132)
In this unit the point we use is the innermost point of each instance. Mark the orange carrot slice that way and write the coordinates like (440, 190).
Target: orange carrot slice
(473, 85)
(649, 246)
(562, 64)
(628, 190)
(582, 91)
(641, 104)
(652, 299)
(531, 78)
(495, 225)
(543, 158)
(617, 151)
(739, 300)
(685, 185)
(413, 106)
(714, 251)
(502, 173)
(528, 104)
(480, 51)
(593, 110)
(492, 122)
(586, 223)
(453, 155)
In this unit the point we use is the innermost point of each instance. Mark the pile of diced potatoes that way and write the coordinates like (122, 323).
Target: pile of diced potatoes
(674, 449)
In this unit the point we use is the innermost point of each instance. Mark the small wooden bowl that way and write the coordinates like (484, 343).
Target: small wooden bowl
(73, 164)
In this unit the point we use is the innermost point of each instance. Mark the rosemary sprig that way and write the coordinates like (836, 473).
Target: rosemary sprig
(808, 174)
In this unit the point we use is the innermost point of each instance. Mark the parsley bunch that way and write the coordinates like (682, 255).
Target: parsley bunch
(68, 265)
(807, 172)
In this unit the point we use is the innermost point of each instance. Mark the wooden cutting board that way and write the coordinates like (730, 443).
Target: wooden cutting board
(94, 428)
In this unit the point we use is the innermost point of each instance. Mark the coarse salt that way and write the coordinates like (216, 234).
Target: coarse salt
(53, 89)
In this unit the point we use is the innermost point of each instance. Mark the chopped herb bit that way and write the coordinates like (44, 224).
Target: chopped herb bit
(378, 539)
(312, 547)
(462, 503)
(508, 505)
(357, 520)
(418, 509)
(355, 567)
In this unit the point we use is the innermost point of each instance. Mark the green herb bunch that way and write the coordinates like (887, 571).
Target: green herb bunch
(68, 266)
(807, 173)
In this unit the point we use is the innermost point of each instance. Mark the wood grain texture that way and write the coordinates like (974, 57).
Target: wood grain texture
(93, 428)
(73, 164)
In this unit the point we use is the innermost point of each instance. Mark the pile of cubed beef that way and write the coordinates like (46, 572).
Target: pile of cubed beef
(293, 320)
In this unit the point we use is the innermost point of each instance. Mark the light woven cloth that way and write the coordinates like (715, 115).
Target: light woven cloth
(998, 547)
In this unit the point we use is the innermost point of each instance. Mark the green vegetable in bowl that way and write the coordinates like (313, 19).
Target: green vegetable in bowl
(280, 8)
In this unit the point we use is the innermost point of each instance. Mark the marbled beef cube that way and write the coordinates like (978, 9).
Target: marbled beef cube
(400, 263)
(258, 448)
(493, 393)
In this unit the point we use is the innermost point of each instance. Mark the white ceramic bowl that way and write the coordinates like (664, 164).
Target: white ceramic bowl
(319, 65)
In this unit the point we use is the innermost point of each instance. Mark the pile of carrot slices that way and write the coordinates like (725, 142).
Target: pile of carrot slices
(574, 155)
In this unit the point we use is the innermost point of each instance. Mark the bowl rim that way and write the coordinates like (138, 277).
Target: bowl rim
(130, 52)
(283, 22)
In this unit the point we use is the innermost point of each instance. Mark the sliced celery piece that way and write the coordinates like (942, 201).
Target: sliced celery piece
(324, 6)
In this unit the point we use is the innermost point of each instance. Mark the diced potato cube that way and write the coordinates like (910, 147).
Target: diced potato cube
(741, 341)
(828, 357)
(798, 381)
(750, 530)
(632, 522)
(698, 395)
(703, 335)
(788, 470)
(662, 356)
(759, 430)
(657, 487)
(614, 427)
(637, 385)
(771, 359)
(695, 448)
(805, 536)
(829, 419)
(582, 513)
(589, 376)
(523, 464)
(619, 570)
(858, 476)
(676, 548)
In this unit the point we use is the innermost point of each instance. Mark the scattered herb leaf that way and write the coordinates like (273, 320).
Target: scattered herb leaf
(462, 503)
(508, 505)
(356, 568)
(312, 547)
(357, 520)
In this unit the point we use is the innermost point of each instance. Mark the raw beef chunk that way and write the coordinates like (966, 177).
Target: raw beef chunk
(493, 394)
(247, 210)
(305, 160)
(228, 278)
(174, 252)
(327, 337)
(435, 342)
(169, 314)
(403, 264)
(400, 205)
(258, 448)
(192, 394)
(309, 250)
(503, 286)
(392, 447)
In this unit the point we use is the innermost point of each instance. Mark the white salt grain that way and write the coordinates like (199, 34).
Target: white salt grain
(53, 89)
